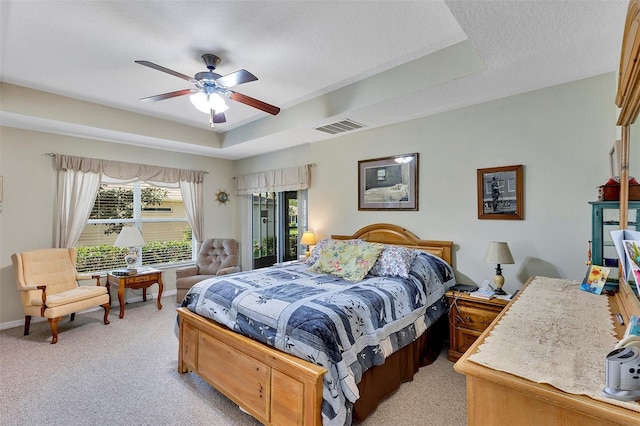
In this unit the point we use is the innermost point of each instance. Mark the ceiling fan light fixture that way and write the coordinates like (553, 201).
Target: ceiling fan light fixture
(206, 103)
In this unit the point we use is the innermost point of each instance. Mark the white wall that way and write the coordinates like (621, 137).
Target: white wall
(562, 136)
(27, 210)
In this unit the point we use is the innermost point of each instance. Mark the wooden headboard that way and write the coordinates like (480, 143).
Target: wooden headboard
(387, 233)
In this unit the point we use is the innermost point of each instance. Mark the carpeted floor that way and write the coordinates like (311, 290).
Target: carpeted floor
(125, 373)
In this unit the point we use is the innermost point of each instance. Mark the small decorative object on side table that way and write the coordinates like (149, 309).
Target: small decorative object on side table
(468, 317)
(142, 279)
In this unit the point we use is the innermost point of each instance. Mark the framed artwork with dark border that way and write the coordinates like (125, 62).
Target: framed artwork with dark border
(388, 183)
(500, 194)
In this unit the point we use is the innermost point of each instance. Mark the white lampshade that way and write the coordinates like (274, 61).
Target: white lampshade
(498, 252)
(130, 236)
(206, 103)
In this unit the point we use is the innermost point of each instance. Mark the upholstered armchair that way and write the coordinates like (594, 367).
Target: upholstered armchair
(217, 256)
(48, 284)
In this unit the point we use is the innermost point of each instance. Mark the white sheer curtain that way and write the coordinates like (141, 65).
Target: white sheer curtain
(76, 194)
(290, 179)
(192, 197)
(79, 180)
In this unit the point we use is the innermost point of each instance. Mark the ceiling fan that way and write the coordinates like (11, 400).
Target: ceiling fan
(211, 89)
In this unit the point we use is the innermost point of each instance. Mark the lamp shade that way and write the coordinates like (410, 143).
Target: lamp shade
(498, 252)
(206, 103)
(130, 236)
(308, 238)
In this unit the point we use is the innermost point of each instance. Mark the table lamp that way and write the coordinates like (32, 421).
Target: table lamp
(498, 252)
(308, 239)
(131, 238)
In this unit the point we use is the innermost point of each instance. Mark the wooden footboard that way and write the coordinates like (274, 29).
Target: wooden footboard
(274, 387)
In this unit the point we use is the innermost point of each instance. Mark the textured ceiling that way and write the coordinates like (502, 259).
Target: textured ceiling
(375, 62)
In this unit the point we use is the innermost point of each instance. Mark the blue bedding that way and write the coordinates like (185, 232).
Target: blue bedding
(343, 326)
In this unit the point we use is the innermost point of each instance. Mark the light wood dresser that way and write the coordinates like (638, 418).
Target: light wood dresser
(499, 398)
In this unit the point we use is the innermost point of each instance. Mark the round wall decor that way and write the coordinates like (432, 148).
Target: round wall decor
(222, 196)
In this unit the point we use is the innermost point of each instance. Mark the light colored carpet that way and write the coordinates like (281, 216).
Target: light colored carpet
(125, 373)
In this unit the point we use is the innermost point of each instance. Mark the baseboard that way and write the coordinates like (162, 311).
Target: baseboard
(114, 304)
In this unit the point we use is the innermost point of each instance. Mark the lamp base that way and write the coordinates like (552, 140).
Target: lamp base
(500, 292)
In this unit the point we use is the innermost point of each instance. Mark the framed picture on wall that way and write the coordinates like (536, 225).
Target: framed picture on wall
(500, 194)
(388, 183)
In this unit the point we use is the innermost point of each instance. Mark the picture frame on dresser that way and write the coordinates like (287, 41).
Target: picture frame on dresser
(388, 183)
(500, 193)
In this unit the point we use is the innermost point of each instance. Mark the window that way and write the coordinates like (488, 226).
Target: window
(158, 211)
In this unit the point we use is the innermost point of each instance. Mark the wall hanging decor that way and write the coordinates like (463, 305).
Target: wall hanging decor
(388, 183)
(500, 194)
(222, 196)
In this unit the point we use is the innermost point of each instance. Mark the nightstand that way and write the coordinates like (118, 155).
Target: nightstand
(468, 318)
(141, 280)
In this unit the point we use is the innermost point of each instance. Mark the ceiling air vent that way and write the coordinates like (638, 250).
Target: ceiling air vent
(340, 127)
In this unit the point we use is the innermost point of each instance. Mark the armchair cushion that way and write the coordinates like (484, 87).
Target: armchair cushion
(217, 256)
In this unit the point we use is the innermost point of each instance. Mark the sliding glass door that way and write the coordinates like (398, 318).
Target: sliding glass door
(276, 220)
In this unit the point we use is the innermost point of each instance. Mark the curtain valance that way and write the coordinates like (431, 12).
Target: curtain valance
(125, 171)
(290, 179)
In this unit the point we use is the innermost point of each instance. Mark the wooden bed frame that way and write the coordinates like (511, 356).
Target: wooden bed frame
(274, 387)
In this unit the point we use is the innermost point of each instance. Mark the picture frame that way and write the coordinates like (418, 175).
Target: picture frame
(388, 183)
(500, 193)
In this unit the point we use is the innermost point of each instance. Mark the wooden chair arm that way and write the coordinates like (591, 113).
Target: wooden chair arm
(44, 298)
(97, 278)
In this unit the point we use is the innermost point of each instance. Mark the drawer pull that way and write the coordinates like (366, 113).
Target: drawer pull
(468, 318)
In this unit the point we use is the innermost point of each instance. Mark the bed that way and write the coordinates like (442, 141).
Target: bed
(277, 387)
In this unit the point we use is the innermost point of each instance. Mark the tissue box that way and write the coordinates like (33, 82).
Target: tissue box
(612, 193)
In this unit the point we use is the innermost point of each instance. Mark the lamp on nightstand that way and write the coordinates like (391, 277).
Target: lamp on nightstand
(131, 238)
(498, 252)
(308, 239)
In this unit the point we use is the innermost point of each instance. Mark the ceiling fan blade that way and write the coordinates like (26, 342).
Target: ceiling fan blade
(218, 118)
(235, 78)
(169, 95)
(252, 102)
(163, 69)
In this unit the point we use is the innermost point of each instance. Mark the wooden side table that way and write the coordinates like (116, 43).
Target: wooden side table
(141, 280)
(468, 318)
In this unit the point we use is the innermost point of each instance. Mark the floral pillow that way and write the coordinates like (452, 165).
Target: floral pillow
(394, 261)
(351, 259)
(315, 253)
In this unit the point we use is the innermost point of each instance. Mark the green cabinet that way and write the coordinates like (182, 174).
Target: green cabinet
(605, 217)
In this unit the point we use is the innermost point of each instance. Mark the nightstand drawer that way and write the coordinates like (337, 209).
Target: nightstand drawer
(465, 338)
(474, 318)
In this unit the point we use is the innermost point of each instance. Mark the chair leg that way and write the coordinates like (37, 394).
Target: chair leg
(27, 324)
(73, 316)
(53, 322)
(107, 307)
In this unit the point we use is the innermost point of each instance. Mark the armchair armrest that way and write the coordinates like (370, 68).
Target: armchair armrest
(229, 270)
(187, 271)
(28, 287)
(97, 278)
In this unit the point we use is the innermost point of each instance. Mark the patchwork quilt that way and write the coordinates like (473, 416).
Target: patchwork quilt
(345, 327)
